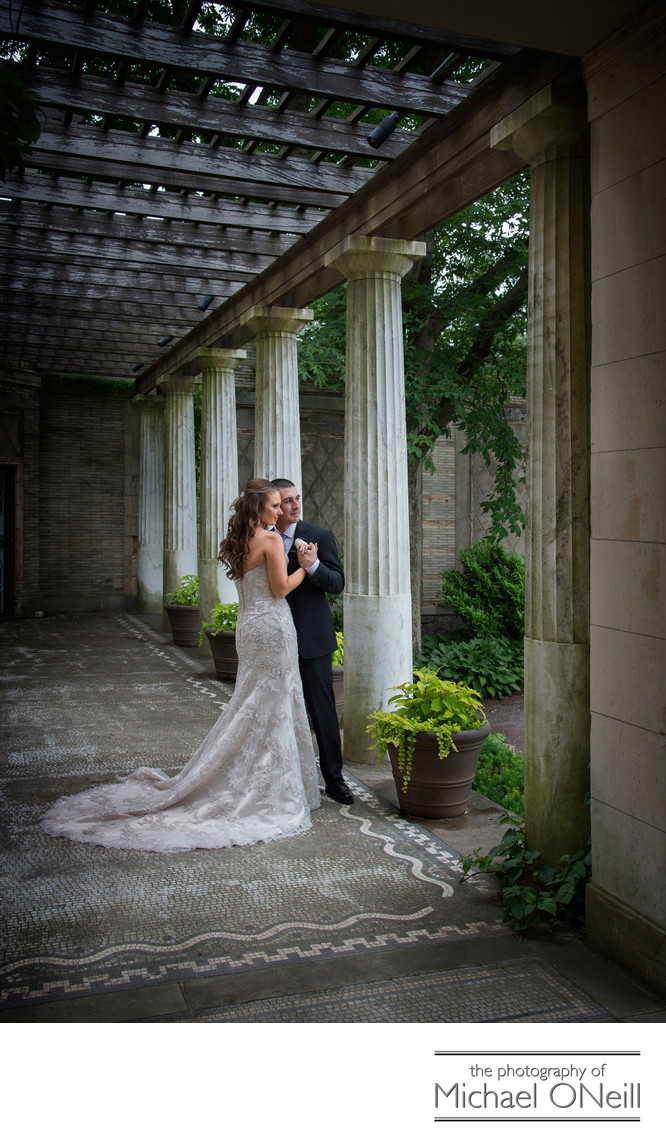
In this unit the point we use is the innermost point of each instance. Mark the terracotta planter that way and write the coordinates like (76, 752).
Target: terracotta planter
(439, 788)
(184, 624)
(339, 690)
(223, 649)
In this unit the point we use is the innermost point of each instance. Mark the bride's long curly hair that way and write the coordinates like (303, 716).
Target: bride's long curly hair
(245, 518)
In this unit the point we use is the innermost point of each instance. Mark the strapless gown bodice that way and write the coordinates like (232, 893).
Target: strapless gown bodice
(253, 778)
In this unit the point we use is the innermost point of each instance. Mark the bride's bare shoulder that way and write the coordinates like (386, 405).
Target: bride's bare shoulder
(263, 545)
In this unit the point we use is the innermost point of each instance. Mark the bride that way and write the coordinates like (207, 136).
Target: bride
(253, 778)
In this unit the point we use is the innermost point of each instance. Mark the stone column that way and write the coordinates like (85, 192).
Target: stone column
(550, 132)
(378, 617)
(150, 573)
(219, 470)
(277, 429)
(180, 487)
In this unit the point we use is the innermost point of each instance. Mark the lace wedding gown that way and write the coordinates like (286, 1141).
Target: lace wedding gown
(253, 778)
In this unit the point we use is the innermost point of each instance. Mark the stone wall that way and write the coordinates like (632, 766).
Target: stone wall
(80, 494)
(452, 516)
(627, 101)
(85, 536)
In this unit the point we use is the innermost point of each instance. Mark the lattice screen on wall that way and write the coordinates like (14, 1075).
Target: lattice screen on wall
(438, 504)
(322, 462)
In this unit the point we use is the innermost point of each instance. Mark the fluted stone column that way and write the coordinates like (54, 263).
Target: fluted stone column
(550, 132)
(277, 429)
(377, 602)
(150, 572)
(180, 488)
(219, 470)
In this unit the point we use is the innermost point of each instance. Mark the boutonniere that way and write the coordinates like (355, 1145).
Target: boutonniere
(298, 542)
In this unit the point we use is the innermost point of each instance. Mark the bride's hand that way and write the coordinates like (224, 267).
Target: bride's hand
(307, 555)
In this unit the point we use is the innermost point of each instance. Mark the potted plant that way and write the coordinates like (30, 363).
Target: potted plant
(182, 607)
(338, 675)
(221, 633)
(433, 737)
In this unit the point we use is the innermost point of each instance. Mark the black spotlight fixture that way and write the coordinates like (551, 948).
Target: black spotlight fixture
(205, 302)
(382, 131)
(164, 340)
(137, 367)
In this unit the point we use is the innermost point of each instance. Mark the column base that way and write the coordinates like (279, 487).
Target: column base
(557, 747)
(178, 563)
(214, 586)
(150, 578)
(633, 942)
(378, 657)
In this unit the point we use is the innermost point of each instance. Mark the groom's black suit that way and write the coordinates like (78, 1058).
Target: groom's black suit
(316, 642)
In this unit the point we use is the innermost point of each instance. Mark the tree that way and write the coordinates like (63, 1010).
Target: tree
(464, 320)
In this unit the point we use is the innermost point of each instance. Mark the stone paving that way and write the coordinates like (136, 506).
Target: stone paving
(364, 918)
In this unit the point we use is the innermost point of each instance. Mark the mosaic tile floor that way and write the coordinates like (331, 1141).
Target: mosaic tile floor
(80, 919)
(366, 904)
(512, 992)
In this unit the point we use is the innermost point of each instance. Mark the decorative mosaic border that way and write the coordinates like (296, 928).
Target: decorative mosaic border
(176, 658)
(72, 976)
(511, 992)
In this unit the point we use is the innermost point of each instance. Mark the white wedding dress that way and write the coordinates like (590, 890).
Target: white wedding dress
(253, 778)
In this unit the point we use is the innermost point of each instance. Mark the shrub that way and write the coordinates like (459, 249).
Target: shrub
(491, 665)
(500, 774)
(488, 594)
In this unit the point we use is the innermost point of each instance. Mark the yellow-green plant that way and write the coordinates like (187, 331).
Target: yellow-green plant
(428, 704)
(186, 592)
(223, 617)
(338, 655)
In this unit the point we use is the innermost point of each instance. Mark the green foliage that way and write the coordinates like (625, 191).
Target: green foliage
(532, 892)
(493, 666)
(339, 654)
(426, 705)
(186, 592)
(464, 314)
(488, 594)
(223, 617)
(500, 774)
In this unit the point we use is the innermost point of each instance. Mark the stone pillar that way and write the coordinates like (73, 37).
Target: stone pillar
(277, 429)
(180, 487)
(378, 615)
(150, 572)
(550, 132)
(219, 470)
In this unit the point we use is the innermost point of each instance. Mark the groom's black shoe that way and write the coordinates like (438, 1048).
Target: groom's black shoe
(340, 793)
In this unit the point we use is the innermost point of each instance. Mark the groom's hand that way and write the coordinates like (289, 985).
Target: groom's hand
(307, 555)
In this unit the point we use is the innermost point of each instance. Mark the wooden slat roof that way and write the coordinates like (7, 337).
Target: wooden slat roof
(176, 163)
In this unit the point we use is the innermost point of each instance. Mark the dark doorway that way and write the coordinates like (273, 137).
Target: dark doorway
(7, 524)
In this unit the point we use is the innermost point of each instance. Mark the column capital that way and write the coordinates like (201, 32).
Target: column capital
(218, 358)
(177, 385)
(150, 400)
(553, 120)
(359, 256)
(262, 320)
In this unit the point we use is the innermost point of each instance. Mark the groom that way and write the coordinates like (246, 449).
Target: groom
(315, 630)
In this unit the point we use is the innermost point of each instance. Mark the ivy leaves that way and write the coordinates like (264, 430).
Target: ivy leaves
(533, 892)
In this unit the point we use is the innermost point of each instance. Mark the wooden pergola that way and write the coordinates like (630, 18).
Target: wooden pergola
(177, 164)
